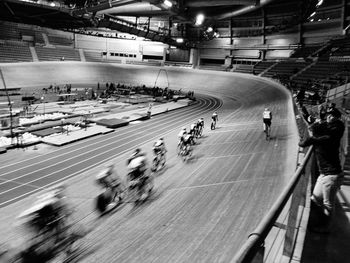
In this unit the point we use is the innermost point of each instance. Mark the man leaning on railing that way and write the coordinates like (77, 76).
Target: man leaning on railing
(326, 136)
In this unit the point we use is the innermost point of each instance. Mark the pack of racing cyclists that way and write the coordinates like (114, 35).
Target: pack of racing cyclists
(139, 179)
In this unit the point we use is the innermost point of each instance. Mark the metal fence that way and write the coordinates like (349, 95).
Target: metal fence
(280, 235)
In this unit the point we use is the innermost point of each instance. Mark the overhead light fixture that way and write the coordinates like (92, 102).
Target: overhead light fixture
(199, 19)
(320, 2)
(168, 3)
(179, 40)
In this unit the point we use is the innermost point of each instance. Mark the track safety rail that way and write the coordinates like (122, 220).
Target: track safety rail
(291, 198)
(256, 239)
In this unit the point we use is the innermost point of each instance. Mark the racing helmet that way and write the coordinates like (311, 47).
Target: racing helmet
(158, 143)
(103, 174)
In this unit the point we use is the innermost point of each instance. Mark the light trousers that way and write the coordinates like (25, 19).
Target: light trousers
(326, 188)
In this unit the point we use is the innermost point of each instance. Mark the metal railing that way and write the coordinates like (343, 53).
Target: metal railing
(283, 227)
(275, 238)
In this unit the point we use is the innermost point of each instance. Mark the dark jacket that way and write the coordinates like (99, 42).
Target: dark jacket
(326, 141)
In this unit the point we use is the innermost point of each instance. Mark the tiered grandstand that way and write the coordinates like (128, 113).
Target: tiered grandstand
(306, 51)
(341, 50)
(57, 54)
(262, 66)
(324, 72)
(286, 68)
(94, 56)
(14, 52)
(60, 41)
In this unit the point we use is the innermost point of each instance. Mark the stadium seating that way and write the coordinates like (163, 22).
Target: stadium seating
(93, 56)
(60, 41)
(305, 51)
(57, 54)
(286, 68)
(262, 66)
(14, 53)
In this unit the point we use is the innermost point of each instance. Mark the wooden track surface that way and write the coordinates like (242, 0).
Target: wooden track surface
(202, 210)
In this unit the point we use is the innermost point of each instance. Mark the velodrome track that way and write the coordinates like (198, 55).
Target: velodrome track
(201, 211)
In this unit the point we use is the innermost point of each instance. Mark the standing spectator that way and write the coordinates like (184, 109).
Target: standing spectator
(322, 112)
(326, 138)
(331, 107)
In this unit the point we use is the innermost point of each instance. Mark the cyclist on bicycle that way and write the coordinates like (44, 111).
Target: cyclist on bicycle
(200, 125)
(214, 119)
(137, 165)
(109, 179)
(193, 129)
(48, 216)
(200, 122)
(181, 133)
(159, 148)
(267, 117)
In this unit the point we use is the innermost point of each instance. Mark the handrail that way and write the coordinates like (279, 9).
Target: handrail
(257, 237)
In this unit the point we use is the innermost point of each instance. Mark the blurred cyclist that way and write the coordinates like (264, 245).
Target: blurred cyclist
(159, 148)
(137, 164)
(200, 126)
(108, 178)
(214, 119)
(181, 134)
(193, 129)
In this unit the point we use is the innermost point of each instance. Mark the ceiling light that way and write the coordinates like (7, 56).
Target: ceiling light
(168, 3)
(199, 19)
(320, 2)
(179, 40)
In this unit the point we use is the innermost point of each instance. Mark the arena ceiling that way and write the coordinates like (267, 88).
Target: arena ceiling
(63, 14)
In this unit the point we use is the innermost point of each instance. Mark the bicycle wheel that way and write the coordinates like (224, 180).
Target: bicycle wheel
(179, 148)
(154, 164)
(267, 133)
(200, 132)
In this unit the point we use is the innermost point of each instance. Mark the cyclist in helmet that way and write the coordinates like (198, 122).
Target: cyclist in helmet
(200, 126)
(181, 134)
(109, 178)
(215, 117)
(193, 129)
(159, 147)
(137, 164)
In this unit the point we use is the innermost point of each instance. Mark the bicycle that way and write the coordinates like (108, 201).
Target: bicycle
(158, 162)
(267, 130)
(52, 232)
(200, 132)
(185, 152)
(140, 188)
(213, 125)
